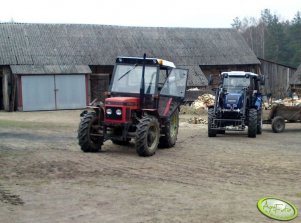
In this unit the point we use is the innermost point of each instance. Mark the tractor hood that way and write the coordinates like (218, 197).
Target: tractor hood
(118, 109)
(125, 101)
(233, 101)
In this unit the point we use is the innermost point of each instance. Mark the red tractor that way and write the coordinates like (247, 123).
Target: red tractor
(145, 95)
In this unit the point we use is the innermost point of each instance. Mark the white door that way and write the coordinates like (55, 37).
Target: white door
(38, 93)
(51, 92)
(70, 91)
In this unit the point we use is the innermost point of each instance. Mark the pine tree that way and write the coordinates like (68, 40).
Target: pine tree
(272, 39)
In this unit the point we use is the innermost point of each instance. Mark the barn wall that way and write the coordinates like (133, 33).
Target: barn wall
(276, 78)
(100, 81)
(296, 88)
(107, 69)
(6, 87)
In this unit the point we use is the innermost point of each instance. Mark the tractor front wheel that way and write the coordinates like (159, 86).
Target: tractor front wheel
(252, 123)
(211, 132)
(170, 131)
(147, 136)
(89, 133)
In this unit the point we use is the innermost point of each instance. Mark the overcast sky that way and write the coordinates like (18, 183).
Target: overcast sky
(162, 13)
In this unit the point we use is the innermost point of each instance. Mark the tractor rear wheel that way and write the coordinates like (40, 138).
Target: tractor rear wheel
(252, 123)
(278, 124)
(88, 133)
(211, 132)
(170, 131)
(147, 136)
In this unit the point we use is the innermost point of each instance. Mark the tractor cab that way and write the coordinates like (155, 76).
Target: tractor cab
(143, 104)
(234, 85)
(150, 83)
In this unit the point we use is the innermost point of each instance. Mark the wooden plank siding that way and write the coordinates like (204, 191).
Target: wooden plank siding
(277, 78)
(295, 81)
(8, 88)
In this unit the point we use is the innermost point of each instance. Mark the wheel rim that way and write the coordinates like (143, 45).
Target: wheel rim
(173, 125)
(279, 125)
(151, 137)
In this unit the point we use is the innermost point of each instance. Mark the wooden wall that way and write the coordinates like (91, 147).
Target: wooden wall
(277, 78)
(6, 87)
(100, 81)
(296, 88)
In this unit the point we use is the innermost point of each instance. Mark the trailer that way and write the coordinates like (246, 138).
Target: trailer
(281, 114)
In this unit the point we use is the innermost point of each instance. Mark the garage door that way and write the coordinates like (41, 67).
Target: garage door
(50, 92)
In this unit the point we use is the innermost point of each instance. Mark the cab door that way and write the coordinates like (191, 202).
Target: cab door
(173, 91)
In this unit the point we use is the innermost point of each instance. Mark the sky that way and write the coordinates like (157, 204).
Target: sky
(151, 13)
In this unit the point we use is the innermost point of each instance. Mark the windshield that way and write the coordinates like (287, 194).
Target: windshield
(236, 84)
(127, 79)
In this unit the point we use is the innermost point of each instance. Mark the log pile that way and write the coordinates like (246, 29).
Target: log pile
(197, 120)
(288, 102)
(204, 101)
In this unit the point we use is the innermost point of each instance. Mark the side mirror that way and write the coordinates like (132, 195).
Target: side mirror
(262, 80)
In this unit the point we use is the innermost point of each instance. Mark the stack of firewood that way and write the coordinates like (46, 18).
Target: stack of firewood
(288, 102)
(197, 120)
(207, 99)
(204, 101)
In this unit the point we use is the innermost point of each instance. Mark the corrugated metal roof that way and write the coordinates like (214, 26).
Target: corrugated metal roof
(72, 44)
(196, 76)
(50, 69)
(58, 48)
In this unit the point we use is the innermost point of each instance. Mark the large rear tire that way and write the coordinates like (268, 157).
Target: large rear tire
(211, 132)
(252, 123)
(88, 126)
(170, 131)
(278, 124)
(147, 136)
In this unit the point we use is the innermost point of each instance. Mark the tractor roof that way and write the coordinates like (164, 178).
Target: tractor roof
(239, 73)
(148, 61)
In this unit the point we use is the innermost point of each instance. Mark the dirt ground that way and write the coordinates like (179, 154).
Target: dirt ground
(44, 176)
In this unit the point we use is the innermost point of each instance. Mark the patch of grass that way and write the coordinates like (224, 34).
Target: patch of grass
(298, 194)
(30, 125)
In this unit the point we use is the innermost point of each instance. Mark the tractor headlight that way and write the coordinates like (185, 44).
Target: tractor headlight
(118, 112)
(109, 111)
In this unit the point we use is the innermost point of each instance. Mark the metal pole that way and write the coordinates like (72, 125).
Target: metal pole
(142, 86)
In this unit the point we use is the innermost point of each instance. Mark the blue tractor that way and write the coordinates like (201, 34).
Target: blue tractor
(238, 104)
